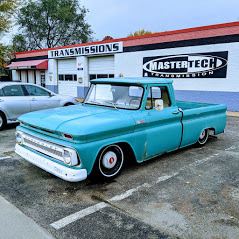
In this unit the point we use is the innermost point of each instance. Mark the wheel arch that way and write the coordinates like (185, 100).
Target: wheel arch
(125, 146)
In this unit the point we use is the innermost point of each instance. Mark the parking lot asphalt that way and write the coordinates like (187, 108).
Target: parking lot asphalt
(189, 193)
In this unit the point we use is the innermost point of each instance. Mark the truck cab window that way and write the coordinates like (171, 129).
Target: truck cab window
(157, 93)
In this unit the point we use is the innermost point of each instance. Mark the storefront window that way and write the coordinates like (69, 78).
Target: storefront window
(98, 76)
(67, 77)
(43, 79)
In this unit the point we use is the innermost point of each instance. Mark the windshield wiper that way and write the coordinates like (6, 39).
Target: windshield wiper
(112, 103)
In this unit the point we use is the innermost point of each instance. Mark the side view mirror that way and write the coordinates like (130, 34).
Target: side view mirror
(51, 94)
(158, 104)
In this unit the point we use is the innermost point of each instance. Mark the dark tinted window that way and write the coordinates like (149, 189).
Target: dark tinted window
(68, 78)
(13, 90)
(37, 91)
(1, 93)
(61, 77)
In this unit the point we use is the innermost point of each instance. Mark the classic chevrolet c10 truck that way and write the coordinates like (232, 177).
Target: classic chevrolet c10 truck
(118, 117)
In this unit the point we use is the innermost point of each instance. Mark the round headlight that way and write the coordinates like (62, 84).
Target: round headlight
(19, 137)
(67, 156)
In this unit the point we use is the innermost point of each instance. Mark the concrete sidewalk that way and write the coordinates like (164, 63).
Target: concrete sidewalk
(233, 113)
(15, 224)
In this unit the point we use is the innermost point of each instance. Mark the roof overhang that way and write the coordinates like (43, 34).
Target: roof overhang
(27, 65)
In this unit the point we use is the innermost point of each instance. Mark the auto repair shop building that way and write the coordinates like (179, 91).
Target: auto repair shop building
(203, 63)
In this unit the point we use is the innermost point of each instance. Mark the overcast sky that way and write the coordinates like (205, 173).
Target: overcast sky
(119, 18)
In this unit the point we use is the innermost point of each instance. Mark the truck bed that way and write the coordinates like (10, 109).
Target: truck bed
(199, 116)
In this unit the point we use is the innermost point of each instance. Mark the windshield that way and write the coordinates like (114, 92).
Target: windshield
(117, 96)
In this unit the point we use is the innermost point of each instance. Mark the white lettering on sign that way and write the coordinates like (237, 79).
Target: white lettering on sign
(105, 48)
(195, 65)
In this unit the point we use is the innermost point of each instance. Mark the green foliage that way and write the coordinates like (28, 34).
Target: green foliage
(51, 23)
(19, 43)
(5, 56)
(7, 9)
(139, 33)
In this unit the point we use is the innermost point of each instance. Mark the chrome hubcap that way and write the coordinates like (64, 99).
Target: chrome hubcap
(202, 134)
(1, 121)
(109, 160)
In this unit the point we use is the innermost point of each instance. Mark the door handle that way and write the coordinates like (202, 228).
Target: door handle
(1, 100)
(34, 99)
(176, 112)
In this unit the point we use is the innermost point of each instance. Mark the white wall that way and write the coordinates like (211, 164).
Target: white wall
(82, 62)
(15, 75)
(51, 73)
(130, 64)
(24, 76)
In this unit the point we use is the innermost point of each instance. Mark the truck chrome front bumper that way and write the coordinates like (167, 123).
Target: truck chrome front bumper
(63, 172)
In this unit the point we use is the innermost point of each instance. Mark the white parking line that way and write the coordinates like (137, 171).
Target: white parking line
(78, 215)
(7, 157)
(87, 211)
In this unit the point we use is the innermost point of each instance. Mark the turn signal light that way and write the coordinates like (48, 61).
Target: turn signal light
(67, 136)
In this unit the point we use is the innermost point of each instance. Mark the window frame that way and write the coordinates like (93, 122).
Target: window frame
(114, 84)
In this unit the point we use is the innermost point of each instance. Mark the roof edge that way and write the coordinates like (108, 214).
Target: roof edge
(208, 27)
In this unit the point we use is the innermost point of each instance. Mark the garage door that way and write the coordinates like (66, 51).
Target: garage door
(67, 77)
(101, 67)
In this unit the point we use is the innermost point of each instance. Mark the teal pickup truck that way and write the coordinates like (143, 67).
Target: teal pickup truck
(122, 117)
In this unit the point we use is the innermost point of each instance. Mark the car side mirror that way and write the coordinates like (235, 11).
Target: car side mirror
(158, 104)
(51, 94)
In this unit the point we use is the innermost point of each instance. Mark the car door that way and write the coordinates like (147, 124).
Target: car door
(40, 98)
(163, 127)
(14, 102)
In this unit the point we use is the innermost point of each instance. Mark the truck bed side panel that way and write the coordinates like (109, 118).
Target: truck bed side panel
(195, 120)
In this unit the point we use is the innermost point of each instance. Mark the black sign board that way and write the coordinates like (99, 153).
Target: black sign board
(199, 65)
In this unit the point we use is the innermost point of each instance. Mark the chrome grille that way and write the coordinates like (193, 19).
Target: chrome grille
(44, 147)
(53, 151)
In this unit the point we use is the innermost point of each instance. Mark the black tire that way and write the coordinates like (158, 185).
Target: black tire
(67, 104)
(110, 161)
(3, 120)
(203, 138)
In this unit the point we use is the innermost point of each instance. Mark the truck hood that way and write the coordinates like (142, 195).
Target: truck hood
(83, 122)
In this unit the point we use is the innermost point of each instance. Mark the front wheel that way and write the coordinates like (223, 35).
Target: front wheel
(111, 161)
(203, 137)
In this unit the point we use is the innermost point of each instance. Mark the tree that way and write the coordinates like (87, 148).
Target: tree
(139, 33)
(107, 38)
(19, 43)
(5, 56)
(7, 9)
(51, 23)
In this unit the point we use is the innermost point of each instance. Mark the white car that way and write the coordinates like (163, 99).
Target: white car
(18, 98)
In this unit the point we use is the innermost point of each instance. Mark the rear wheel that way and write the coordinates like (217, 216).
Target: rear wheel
(3, 121)
(110, 161)
(203, 137)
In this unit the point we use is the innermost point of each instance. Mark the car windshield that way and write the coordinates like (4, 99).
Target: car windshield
(115, 96)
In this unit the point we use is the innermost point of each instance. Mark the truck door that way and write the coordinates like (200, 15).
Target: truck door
(163, 127)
